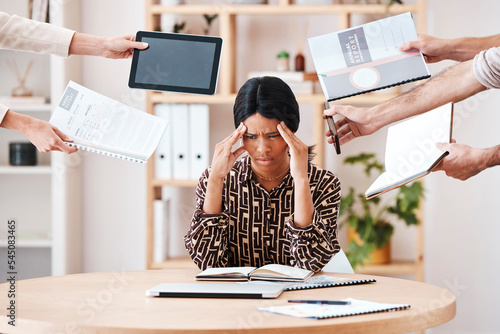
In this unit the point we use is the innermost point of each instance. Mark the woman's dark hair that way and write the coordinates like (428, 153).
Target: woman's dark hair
(272, 98)
(269, 96)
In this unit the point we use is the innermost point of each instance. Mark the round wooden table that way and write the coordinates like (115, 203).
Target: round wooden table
(116, 303)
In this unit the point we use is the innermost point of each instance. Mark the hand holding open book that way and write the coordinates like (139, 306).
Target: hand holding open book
(411, 151)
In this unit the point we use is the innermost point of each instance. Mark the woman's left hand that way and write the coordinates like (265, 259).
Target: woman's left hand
(299, 152)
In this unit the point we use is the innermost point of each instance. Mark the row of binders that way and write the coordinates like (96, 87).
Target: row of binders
(183, 151)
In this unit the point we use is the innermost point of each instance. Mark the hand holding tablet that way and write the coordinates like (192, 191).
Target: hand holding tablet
(176, 62)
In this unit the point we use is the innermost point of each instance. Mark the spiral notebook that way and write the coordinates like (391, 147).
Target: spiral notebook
(366, 58)
(325, 281)
(102, 125)
(316, 282)
(324, 311)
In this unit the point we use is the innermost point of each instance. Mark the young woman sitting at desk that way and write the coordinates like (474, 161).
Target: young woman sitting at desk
(272, 206)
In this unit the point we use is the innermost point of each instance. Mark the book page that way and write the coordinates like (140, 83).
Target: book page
(365, 43)
(411, 144)
(228, 271)
(411, 150)
(97, 121)
(278, 270)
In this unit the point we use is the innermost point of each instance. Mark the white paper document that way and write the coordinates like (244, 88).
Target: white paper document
(102, 125)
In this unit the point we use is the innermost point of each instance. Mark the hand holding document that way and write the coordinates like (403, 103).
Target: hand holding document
(102, 125)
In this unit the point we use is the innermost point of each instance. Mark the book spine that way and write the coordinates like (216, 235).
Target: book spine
(390, 309)
(109, 154)
(380, 88)
(328, 285)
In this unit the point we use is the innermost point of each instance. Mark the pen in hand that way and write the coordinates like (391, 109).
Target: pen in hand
(327, 302)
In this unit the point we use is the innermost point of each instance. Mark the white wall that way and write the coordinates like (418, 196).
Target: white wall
(114, 190)
(462, 220)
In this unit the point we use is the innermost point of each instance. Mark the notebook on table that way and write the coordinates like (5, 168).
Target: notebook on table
(324, 311)
(215, 290)
(316, 282)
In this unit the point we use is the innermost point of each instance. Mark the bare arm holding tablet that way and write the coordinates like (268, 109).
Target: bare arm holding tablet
(176, 62)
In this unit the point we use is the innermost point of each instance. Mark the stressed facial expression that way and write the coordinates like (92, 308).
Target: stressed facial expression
(264, 144)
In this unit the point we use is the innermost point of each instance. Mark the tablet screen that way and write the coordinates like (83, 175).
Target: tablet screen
(176, 62)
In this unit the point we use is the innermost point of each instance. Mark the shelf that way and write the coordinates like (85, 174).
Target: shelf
(393, 268)
(181, 263)
(281, 9)
(30, 108)
(175, 183)
(25, 170)
(29, 243)
(370, 98)
(342, 15)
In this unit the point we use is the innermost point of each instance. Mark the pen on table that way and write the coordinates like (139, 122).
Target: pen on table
(327, 302)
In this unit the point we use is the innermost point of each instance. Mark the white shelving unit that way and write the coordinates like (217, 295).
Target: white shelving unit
(228, 16)
(43, 199)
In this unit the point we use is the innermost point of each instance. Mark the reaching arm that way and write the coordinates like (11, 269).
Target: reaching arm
(112, 47)
(459, 49)
(453, 85)
(43, 135)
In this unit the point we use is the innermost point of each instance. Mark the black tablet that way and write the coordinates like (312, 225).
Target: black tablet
(176, 62)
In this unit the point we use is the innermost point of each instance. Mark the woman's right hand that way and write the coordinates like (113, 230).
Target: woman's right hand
(224, 158)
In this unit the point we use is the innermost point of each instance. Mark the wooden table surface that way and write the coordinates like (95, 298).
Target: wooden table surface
(115, 302)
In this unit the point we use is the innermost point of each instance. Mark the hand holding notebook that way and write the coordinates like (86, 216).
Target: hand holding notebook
(411, 150)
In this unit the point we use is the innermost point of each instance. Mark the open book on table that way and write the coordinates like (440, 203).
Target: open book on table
(102, 125)
(411, 151)
(324, 311)
(366, 58)
(269, 272)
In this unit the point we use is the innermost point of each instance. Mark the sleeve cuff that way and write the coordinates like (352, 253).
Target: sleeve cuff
(303, 233)
(3, 111)
(211, 219)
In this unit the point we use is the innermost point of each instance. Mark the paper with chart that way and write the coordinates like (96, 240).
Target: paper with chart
(103, 125)
(411, 151)
(366, 58)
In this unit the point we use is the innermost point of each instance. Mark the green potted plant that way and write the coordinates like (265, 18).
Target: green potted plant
(368, 219)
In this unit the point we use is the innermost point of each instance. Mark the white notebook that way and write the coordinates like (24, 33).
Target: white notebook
(102, 125)
(411, 151)
(366, 58)
(323, 311)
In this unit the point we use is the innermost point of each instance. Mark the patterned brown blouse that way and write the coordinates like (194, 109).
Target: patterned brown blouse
(256, 226)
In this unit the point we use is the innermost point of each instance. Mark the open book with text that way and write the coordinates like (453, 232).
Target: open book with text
(269, 272)
(102, 125)
(366, 58)
(411, 150)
